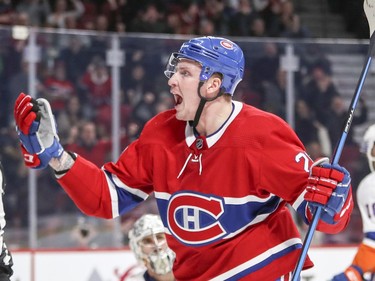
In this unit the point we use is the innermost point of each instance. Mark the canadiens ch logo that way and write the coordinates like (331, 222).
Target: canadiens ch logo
(194, 218)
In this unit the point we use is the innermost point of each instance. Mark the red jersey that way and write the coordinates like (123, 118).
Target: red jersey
(222, 198)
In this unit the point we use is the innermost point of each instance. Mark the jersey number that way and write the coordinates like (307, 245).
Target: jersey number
(302, 156)
(370, 210)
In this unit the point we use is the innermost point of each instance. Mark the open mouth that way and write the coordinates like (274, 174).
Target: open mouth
(177, 99)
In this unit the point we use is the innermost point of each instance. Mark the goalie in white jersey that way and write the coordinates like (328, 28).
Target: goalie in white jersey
(149, 245)
(364, 261)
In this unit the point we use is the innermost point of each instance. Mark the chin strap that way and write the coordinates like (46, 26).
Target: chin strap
(194, 123)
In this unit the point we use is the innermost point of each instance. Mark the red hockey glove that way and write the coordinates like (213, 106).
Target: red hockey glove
(352, 273)
(36, 130)
(328, 186)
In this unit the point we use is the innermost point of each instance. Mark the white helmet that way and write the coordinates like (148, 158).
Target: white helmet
(368, 143)
(162, 257)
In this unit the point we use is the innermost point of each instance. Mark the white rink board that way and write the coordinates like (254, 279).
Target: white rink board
(328, 261)
(110, 265)
(93, 265)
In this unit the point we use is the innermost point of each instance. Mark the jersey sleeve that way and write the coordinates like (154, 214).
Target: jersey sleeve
(115, 188)
(285, 167)
(284, 164)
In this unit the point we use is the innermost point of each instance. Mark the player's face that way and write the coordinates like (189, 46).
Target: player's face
(153, 242)
(184, 88)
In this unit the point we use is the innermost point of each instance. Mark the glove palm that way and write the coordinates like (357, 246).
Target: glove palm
(36, 128)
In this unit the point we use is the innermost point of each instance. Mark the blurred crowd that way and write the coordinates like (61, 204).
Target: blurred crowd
(257, 18)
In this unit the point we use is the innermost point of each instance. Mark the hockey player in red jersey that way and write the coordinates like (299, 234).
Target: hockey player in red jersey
(222, 172)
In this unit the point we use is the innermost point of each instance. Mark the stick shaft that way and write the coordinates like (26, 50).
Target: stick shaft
(336, 157)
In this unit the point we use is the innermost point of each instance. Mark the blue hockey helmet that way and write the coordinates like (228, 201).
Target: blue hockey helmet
(216, 55)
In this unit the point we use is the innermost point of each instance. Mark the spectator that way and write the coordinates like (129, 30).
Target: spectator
(242, 20)
(265, 68)
(287, 14)
(76, 57)
(274, 94)
(272, 17)
(57, 88)
(136, 85)
(69, 118)
(14, 171)
(84, 234)
(97, 84)
(19, 81)
(338, 114)
(258, 28)
(294, 29)
(150, 19)
(118, 14)
(36, 10)
(206, 27)
(61, 12)
(90, 145)
(190, 17)
(133, 130)
(7, 12)
(312, 134)
(320, 91)
(219, 14)
(145, 109)
(174, 23)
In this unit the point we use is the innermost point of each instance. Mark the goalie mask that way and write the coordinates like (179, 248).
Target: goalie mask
(368, 143)
(147, 241)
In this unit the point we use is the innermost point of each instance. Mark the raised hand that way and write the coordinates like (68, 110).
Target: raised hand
(36, 128)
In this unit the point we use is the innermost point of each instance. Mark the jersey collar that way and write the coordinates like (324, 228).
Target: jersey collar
(190, 137)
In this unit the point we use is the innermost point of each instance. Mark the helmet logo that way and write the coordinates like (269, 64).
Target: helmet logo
(226, 44)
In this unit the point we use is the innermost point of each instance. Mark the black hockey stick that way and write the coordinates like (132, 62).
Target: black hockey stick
(369, 8)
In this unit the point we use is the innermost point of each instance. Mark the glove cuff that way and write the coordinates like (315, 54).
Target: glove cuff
(66, 163)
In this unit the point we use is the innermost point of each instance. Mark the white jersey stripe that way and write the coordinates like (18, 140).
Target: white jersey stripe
(258, 259)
